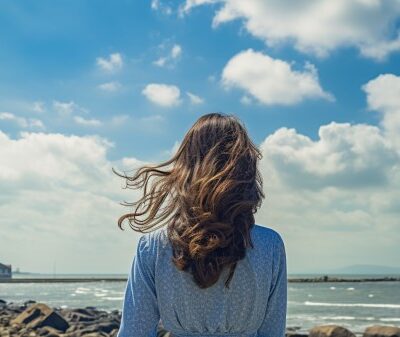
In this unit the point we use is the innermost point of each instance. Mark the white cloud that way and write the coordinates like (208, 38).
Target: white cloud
(337, 195)
(87, 122)
(113, 63)
(340, 193)
(176, 51)
(110, 86)
(157, 5)
(383, 94)
(22, 121)
(160, 61)
(318, 26)
(162, 94)
(63, 188)
(272, 81)
(345, 156)
(36, 123)
(189, 4)
(194, 99)
(171, 58)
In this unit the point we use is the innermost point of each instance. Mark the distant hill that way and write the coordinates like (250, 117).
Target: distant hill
(365, 269)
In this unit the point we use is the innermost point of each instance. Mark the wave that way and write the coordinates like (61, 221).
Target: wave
(113, 298)
(339, 318)
(390, 319)
(363, 305)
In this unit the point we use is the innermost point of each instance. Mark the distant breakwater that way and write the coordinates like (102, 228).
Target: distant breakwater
(124, 279)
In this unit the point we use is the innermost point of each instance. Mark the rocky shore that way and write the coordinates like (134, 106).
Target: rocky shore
(32, 319)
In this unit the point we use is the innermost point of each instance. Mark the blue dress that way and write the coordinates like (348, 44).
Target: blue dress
(255, 305)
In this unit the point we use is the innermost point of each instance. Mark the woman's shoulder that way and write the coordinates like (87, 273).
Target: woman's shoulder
(155, 238)
(267, 234)
(158, 238)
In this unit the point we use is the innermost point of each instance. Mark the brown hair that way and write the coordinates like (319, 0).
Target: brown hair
(211, 193)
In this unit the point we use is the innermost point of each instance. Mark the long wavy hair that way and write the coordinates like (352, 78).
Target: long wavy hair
(207, 194)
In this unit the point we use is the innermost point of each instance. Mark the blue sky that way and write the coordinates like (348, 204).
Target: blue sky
(109, 74)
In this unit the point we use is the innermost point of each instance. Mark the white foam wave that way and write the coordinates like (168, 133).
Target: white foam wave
(390, 319)
(339, 318)
(113, 298)
(363, 305)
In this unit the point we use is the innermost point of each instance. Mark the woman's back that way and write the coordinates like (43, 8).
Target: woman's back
(254, 304)
(205, 198)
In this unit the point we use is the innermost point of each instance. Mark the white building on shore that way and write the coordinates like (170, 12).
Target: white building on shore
(5, 271)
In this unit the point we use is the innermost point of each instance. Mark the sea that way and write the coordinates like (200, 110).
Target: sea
(354, 305)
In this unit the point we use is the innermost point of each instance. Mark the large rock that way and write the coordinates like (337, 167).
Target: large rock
(382, 331)
(75, 315)
(40, 315)
(48, 332)
(105, 327)
(330, 330)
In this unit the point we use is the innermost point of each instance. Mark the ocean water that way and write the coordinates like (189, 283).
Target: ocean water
(354, 305)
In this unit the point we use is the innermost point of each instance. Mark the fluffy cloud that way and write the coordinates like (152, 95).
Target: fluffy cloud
(162, 94)
(383, 94)
(112, 64)
(316, 26)
(22, 121)
(346, 156)
(339, 194)
(272, 81)
(59, 195)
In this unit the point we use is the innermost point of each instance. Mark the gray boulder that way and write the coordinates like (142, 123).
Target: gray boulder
(330, 330)
(39, 315)
(382, 331)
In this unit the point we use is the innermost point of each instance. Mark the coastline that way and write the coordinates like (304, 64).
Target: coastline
(124, 279)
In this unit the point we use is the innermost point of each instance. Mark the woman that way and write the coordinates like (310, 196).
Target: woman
(207, 270)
